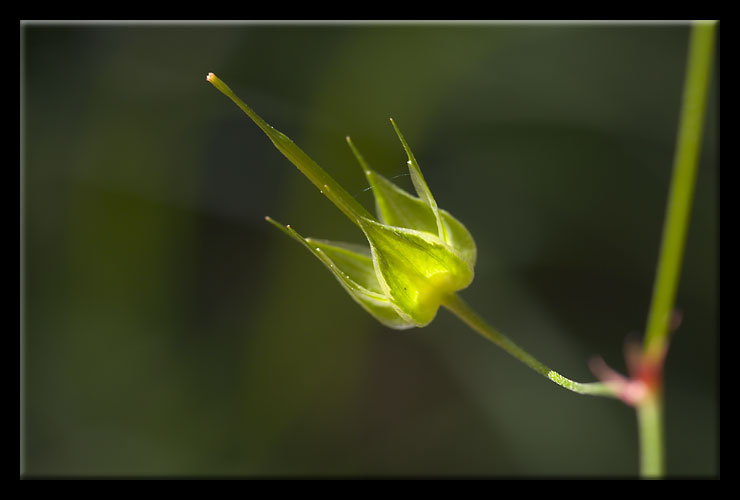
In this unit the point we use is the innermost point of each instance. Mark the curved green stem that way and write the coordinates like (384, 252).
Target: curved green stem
(463, 311)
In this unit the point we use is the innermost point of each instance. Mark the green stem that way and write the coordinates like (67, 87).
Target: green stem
(463, 311)
(688, 146)
(650, 423)
(698, 73)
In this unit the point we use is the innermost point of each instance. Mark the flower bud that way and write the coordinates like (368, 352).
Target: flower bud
(418, 254)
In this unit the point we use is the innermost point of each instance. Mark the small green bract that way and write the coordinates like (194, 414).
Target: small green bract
(418, 254)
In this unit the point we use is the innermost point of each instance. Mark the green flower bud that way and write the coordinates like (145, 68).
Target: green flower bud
(418, 254)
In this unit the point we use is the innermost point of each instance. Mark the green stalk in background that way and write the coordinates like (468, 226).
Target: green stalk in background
(688, 146)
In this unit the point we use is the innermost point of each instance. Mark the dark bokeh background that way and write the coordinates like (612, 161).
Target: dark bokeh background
(167, 329)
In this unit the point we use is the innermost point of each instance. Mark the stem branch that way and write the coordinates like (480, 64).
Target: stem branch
(463, 311)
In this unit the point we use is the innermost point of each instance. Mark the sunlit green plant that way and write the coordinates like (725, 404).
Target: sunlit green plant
(419, 256)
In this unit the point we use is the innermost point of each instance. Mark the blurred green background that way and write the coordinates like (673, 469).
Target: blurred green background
(167, 329)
